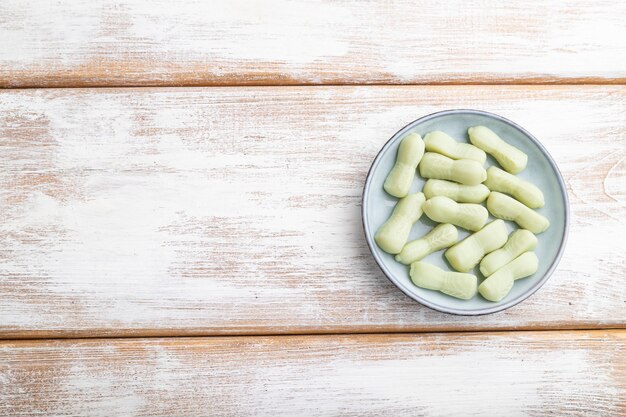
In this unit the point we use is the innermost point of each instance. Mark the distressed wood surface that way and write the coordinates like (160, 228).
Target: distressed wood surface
(502, 374)
(237, 210)
(139, 42)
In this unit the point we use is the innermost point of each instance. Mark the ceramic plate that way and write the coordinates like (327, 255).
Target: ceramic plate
(541, 171)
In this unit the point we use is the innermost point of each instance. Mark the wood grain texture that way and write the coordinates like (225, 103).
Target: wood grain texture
(237, 210)
(139, 42)
(503, 374)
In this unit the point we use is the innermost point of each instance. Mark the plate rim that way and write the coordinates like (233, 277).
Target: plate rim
(451, 310)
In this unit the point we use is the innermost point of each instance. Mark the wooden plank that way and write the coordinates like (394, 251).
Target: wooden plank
(236, 211)
(506, 374)
(139, 42)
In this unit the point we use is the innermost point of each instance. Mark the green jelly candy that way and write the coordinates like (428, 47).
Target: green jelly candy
(394, 233)
(466, 254)
(465, 171)
(400, 178)
(520, 241)
(508, 156)
(498, 285)
(456, 284)
(440, 142)
(445, 210)
(442, 236)
(460, 193)
(523, 191)
(507, 208)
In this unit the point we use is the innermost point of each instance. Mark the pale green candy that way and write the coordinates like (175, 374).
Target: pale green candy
(465, 171)
(498, 285)
(393, 235)
(508, 156)
(460, 193)
(458, 285)
(507, 208)
(520, 241)
(466, 254)
(445, 210)
(523, 191)
(440, 142)
(442, 236)
(400, 178)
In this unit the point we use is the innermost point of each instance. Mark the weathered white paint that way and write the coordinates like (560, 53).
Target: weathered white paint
(139, 42)
(178, 211)
(512, 374)
(288, 30)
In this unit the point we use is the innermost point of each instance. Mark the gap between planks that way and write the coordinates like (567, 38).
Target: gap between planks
(503, 82)
(151, 334)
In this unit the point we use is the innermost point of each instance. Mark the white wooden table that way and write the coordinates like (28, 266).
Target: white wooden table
(187, 240)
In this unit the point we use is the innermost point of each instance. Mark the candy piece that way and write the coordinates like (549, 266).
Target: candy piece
(466, 254)
(465, 171)
(498, 285)
(445, 210)
(458, 285)
(460, 193)
(393, 234)
(520, 241)
(400, 178)
(523, 191)
(512, 159)
(442, 236)
(507, 208)
(440, 142)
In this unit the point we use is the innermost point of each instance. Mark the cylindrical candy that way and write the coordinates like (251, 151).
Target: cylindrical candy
(460, 193)
(456, 284)
(394, 233)
(442, 236)
(465, 171)
(507, 208)
(440, 142)
(445, 210)
(508, 156)
(498, 285)
(466, 254)
(400, 178)
(520, 241)
(523, 191)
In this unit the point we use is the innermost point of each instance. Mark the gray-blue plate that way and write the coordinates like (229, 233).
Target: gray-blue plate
(541, 171)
